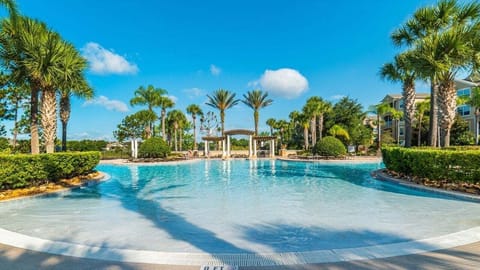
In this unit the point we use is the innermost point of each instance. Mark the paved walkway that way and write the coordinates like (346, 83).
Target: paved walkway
(464, 257)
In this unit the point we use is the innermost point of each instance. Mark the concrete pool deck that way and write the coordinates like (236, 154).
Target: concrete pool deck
(462, 257)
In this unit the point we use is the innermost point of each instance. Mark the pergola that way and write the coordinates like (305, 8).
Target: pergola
(252, 142)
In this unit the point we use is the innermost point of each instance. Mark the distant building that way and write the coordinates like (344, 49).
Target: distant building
(397, 127)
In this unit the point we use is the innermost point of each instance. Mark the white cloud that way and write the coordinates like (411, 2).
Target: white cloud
(215, 70)
(103, 61)
(109, 104)
(337, 97)
(194, 92)
(284, 82)
(173, 98)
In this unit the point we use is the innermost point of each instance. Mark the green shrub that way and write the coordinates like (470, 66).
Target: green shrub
(329, 146)
(22, 170)
(153, 148)
(436, 164)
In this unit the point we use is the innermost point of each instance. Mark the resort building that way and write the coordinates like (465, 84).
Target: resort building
(397, 126)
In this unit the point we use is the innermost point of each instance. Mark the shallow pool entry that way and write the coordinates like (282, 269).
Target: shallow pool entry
(239, 207)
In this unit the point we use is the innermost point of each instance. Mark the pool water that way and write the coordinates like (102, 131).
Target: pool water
(239, 206)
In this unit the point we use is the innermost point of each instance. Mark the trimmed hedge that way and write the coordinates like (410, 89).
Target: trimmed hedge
(154, 148)
(434, 164)
(329, 146)
(22, 170)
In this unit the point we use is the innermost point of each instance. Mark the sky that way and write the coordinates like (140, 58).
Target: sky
(292, 49)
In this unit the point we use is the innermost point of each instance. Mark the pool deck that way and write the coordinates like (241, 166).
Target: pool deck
(463, 257)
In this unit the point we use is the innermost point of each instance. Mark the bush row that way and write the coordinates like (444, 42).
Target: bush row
(22, 170)
(436, 164)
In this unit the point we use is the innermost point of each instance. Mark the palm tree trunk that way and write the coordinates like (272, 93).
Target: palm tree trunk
(64, 117)
(447, 98)
(15, 124)
(175, 138)
(420, 118)
(34, 140)
(49, 119)
(408, 110)
(194, 133)
(164, 135)
(313, 130)
(320, 126)
(379, 131)
(271, 131)
(222, 119)
(477, 114)
(433, 126)
(180, 143)
(305, 137)
(255, 120)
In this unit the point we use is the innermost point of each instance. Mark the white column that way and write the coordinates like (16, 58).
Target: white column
(205, 147)
(254, 148)
(135, 146)
(224, 151)
(250, 146)
(132, 147)
(228, 146)
(272, 149)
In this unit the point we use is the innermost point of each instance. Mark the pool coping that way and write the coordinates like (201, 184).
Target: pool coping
(448, 241)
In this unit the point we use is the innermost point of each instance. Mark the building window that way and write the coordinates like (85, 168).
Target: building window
(463, 92)
(402, 131)
(388, 121)
(463, 110)
(401, 104)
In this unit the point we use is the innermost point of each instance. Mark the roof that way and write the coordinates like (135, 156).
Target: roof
(213, 138)
(395, 96)
(239, 132)
(461, 84)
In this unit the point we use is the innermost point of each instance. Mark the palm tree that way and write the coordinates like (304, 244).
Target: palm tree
(145, 117)
(317, 107)
(18, 45)
(194, 110)
(338, 131)
(12, 9)
(271, 123)
(443, 38)
(148, 96)
(222, 100)
(164, 103)
(72, 83)
(380, 110)
(304, 121)
(401, 71)
(177, 120)
(422, 107)
(256, 100)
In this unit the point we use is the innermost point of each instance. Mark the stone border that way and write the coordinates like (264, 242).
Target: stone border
(382, 176)
(125, 162)
(334, 161)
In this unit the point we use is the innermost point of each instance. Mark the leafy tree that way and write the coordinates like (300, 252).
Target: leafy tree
(222, 100)
(133, 126)
(256, 100)
(194, 110)
(461, 134)
(339, 132)
(474, 101)
(271, 123)
(316, 107)
(422, 108)
(177, 121)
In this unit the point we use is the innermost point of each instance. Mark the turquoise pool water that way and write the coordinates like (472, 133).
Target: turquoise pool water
(239, 206)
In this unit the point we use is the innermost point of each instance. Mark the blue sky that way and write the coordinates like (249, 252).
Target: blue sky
(293, 49)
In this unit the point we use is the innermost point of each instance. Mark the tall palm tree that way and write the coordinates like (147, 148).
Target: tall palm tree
(222, 100)
(148, 96)
(304, 121)
(72, 82)
(256, 100)
(145, 117)
(194, 110)
(442, 36)
(317, 107)
(18, 44)
(164, 103)
(422, 108)
(177, 121)
(12, 9)
(271, 123)
(401, 70)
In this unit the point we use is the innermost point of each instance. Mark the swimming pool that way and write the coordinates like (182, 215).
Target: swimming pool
(239, 207)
